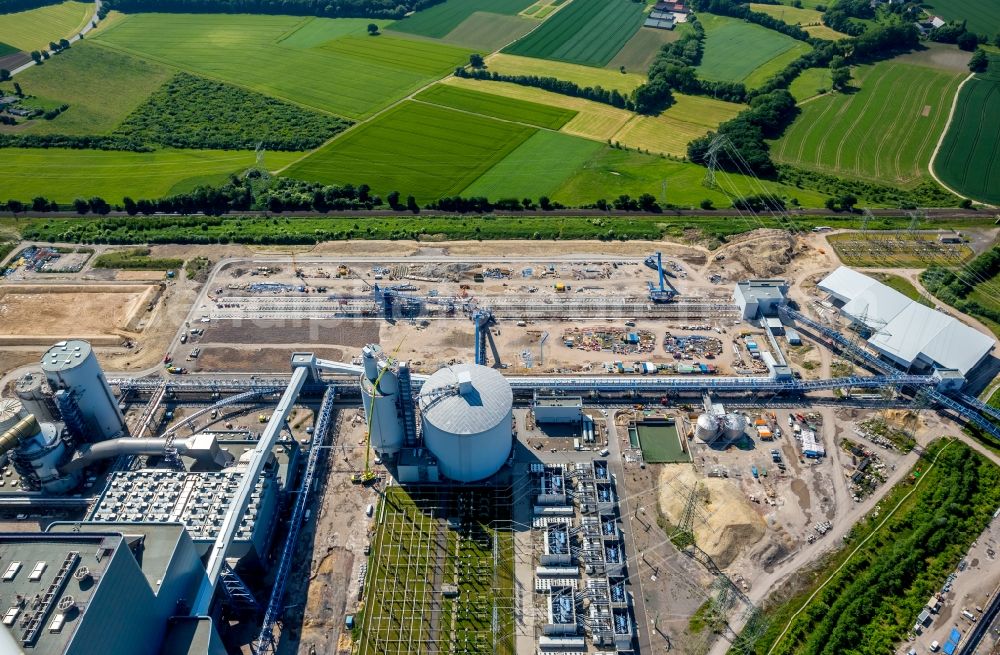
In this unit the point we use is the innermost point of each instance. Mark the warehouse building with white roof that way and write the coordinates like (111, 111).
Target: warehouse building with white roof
(904, 331)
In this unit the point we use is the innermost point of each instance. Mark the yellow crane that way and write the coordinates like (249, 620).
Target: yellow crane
(368, 477)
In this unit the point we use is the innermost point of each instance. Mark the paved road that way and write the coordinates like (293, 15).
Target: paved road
(73, 39)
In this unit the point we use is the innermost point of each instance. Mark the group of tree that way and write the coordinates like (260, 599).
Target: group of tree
(10, 6)
(840, 15)
(194, 112)
(955, 289)
(959, 34)
(979, 61)
(741, 10)
(482, 205)
(38, 56)
(74, 141)
(612, 97)
(644, 203)
(394, 9)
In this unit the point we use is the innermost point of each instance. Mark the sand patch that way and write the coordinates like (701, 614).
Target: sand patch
(731, 524)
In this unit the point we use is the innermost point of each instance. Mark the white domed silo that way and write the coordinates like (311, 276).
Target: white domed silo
(707, 428)
(735, 426)
(467, 413)
(384, 415)
(72, 365)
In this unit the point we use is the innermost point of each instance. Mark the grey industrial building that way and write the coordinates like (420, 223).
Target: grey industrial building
(759, 297)
(89, 589)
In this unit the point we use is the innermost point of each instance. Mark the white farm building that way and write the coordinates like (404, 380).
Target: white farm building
(904, 331)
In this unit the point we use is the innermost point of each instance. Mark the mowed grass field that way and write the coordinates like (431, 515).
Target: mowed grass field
(612, 172)
(735, 50)
(414, 148)
(538, 167)
(669, 133)
(349, 74)
(33, 29)
(810, 82)
(485, 32)
(587, 32)
(884, 132)
(494, 106)
(63, 174)
(983, 16)
(101, 87)
(594, 120)
(638, 54)
(969, 158)
(582, 75)
(790, 15)
(437, 21)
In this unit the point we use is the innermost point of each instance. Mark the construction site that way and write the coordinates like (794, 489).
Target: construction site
(451, 452)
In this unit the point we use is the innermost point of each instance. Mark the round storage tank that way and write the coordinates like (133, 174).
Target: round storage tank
(707, 428)
(33, 391)
(72, 365)
(735, 426)
(467, 421)
(45, 452)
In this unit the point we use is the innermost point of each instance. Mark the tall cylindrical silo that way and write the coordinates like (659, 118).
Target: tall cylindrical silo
(467, 420)
(707, 428)
(72, 365)
(34, 393)
(735, 426)
(381, 402)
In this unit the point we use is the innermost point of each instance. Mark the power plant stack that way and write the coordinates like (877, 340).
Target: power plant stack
(81, 392)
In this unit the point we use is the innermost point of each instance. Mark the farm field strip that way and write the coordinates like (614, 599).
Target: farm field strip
(495, 106)
(640, 51)
(438, 21)
(669, 133)
(582, 75)
(64, 174)
(790, 15)
(735, 49)
(35, 28)
(584, 32)
(354, 78)
(768, 69)
(886, 131)
(538, 167)
(594, 120)
(414, 148)
(485, 32)
(983, 16)
(969, 157)
(824, 32)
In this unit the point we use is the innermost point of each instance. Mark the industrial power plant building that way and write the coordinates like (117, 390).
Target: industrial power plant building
(904, 331)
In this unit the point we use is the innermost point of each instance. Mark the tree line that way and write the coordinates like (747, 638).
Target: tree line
(955, 290)
(742, 11)
(341, 9)
(10, 6)
(612, 97)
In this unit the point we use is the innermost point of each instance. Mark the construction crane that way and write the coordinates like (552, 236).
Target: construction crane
(662, 294)
(367, 477)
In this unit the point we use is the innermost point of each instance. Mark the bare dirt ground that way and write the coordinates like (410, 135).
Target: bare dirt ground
(351, 334)
(43, 312)
(251, 359)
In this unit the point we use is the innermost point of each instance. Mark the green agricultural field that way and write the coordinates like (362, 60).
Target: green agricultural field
(7, 49)
(766, 71)
(439, 20)
(35, 28)
(641, 49)
(486, 104)
(414, 148)
(735, 49)
(611, 172)
(537, 168)
(983, 16)
(582, 75)
(587, 32)
(64, 175)
(810, 83)
(350, 74)
(100, 86)
(884, 132)
(969, 158)
(790, 15)
(486, 32)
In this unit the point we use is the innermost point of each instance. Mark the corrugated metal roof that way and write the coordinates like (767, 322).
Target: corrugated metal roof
(845, 283)
(488, 402)
(878, 304)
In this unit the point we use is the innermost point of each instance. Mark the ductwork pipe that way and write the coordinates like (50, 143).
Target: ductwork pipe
(205, 449)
